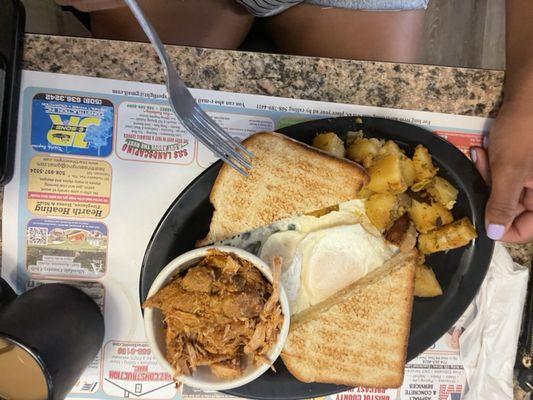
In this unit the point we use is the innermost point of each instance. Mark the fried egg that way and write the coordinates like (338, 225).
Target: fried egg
(325, 254)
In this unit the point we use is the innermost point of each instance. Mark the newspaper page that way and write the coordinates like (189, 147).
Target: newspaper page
(99, 161)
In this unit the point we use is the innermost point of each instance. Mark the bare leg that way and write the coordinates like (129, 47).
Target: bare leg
(208, 23)
(335, 32)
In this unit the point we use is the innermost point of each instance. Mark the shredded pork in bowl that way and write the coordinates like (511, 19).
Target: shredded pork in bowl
(221, 316)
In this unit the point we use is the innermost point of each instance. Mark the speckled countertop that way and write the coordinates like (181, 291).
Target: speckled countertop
(417, 87)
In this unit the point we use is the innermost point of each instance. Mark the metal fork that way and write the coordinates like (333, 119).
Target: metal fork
(195, 120)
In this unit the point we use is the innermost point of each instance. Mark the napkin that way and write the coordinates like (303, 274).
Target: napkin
(491, 325)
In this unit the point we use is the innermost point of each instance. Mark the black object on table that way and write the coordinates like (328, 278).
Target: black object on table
(58, 326)
(11, 36)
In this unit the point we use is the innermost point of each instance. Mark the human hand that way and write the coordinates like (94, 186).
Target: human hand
(91, 5)
(507, 166)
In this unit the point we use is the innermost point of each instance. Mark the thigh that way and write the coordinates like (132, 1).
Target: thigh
(343, 33)
(207, 23)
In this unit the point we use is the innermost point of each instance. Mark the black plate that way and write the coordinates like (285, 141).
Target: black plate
(460, 271)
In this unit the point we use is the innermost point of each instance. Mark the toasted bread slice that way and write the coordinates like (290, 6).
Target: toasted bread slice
(359, 336)
(288, 178)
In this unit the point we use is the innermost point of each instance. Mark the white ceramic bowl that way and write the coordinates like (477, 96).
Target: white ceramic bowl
(154, 328)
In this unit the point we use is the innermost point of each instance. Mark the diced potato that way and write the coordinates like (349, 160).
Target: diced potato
(404, 203)
(379, 209)
(330, 143)
(427, 217)
(386, 175)
(363, 151)
(418, 186)
(456, 234)
(408, 171)
(426, 283)
(352, 136)
(390, 147)
(442, 192)
(382, 209)
(424, 168)
(364, 193)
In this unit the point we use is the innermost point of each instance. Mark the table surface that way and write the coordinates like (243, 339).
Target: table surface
(460, 91)
(450, 90)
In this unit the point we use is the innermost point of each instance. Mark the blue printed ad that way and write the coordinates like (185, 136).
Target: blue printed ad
(70, 124)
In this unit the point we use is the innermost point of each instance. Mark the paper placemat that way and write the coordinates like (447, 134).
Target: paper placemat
(98, 163)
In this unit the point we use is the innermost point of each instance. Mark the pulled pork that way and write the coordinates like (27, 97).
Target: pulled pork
(221, 313)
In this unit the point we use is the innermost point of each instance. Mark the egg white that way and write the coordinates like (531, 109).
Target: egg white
(325, 254)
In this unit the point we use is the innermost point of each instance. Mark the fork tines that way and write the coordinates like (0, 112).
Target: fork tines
(219, 141)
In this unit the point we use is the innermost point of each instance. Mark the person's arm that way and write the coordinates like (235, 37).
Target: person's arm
(519, 51)
(508, 166)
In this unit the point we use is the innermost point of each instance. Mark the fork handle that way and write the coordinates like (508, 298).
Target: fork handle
(149, 31)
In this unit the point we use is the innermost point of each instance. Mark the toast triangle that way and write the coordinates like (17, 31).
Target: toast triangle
(358, 337)
(288, 178)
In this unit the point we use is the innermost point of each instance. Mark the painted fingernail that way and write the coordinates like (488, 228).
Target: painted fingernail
(473, 155)
(495, 231)
(485, 142)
